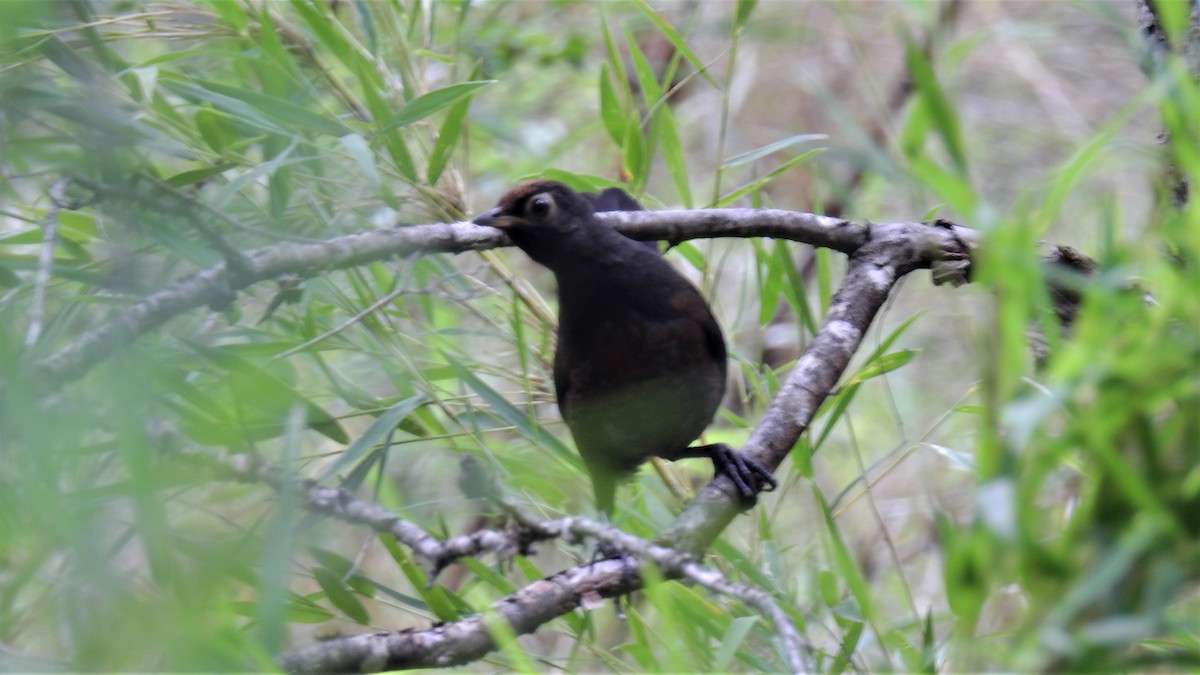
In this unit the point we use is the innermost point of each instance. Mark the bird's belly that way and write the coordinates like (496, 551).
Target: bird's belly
(618, 424)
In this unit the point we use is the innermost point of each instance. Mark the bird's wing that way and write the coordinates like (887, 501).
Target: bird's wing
(562, 378)
(614, 199)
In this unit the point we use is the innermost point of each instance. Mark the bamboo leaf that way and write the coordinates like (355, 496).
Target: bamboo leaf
(383, 425)
(612, 113)
(756, 184)
(289, 114)
(447, 139)
(426, 104)
(668, 31)
(770, 148)
(942, 115)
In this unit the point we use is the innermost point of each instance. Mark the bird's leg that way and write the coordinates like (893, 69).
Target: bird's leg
(748, 476)
(603, 550)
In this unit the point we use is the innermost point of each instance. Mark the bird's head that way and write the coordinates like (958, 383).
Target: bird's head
(536, 208)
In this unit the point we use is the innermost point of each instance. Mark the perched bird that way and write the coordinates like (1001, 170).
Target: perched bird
(641, 364)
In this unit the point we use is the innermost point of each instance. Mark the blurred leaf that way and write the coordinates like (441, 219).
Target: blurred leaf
(425, 105)
(883, 364)
(744, 9)
(612, 113)
(634, 158)
(358, 149)
(675, 39)
(501, 408)
(341, 596)
(437, 598)
(286, 113)
(186, 178)
(734, 636)
(385, 424)
(753, 185)
(769, 149)
(447, 139)
(942, 115)
(264, 170)
(257, 401)
(672, 154)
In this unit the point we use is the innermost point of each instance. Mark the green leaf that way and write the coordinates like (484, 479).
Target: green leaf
(426, 104)
(378, 107)
(233, 14)
(883, 364)
(942, 115)
(329, 32)
(238, 110)
(794, 290)
(668, 31)
(285, 112)
(651, 90)
(612, 113)
(759, 153)
(756, 184)
(672, 153)
(735, 635)
(615, 61)
(634, 157)
(502, 409)
(436, 598)
(194, 176)
(447, 139)
(744, 8)
(358, 149)
(341, 595)
(266, 169)
(379, 429)
(255, 400)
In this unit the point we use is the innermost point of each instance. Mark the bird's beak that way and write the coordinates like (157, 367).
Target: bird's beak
(496, 219)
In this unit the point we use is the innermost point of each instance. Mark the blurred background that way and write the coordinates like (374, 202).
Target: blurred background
(952, 508)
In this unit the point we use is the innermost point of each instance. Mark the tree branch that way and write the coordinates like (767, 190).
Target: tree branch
(880, 256)
(216, 285)
(467, 640)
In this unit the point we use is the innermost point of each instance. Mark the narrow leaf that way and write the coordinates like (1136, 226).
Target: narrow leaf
(426, 104)
(379, 429)
(447, 139)
(283, 111)
(612, 113)
(943, 117)
(756, 184)
(668, 31)
(759, 153)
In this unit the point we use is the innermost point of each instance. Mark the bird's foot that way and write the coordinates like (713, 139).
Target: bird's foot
(603, 551)
(748, 476)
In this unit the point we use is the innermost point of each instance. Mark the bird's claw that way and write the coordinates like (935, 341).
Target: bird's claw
(748, 476)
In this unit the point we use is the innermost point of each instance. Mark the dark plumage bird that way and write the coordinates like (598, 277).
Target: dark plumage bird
(640, 367)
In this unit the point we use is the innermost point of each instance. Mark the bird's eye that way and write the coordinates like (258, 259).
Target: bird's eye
(540, 206)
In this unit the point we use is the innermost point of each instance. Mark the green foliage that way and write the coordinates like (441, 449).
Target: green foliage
(188, 133)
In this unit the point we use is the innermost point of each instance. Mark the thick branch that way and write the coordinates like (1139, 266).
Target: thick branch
(893, 251)
(218, 285)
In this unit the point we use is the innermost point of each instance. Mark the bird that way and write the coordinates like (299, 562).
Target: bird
(640, 362)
